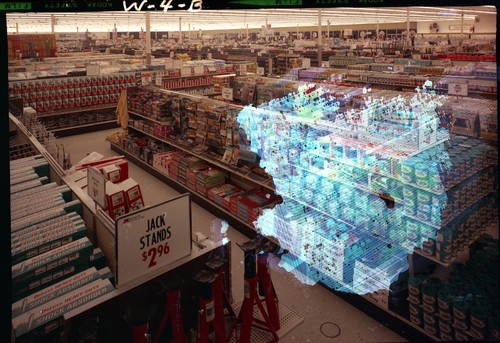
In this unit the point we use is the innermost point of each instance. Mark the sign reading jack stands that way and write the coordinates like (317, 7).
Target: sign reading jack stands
(152, 238)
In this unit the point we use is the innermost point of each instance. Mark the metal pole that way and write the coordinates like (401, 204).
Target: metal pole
(462, 25)
(180, 29)
(148, 38)
(320, 40)
(408, 26)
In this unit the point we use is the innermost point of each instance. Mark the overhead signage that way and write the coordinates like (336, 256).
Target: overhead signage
(152, 238)
(15, 6)
(96, 186)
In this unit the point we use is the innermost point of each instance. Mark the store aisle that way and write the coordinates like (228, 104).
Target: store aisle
(320, 308)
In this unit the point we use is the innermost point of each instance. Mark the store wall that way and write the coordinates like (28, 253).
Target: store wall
(483, 24)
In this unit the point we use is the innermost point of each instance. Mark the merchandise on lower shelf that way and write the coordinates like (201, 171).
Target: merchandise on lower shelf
(465, 306)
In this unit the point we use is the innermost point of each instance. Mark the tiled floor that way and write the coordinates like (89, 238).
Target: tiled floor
(320, 309)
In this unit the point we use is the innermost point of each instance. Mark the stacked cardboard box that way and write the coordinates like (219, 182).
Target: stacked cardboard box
(208, 179)
(221, 194)
(133, 195)
(185, 163)
(191, 175)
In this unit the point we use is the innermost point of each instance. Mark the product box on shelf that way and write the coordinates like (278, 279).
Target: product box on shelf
(29, 184)
(115, 200)
(31, 242)
(49, 316)
(54, 291)
(133, 194)
(43, 270)
(39, 217)
(221, 195)
(208, 179)
(191, 175)
(112, 173)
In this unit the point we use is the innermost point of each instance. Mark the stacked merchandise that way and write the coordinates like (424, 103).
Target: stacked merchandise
(185, 163)
(31, 46)
(244, 90)
(153, 105)
(49, 247)
(56, 94)
(345, 172)
(123, 194)
(40, 315)
(173, 166)
(191, 175)
(221, 195)
(342, 61)
(317, 74)
(249, 205)
(465, 306)
(209, 178)
(163, 159)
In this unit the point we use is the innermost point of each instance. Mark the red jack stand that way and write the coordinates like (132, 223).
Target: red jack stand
(172, 311)
(267, 290)
(140, 333)
(246, 317)
(221, 297)
(208, 316)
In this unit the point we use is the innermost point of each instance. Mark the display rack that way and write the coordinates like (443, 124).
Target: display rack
(105, 311)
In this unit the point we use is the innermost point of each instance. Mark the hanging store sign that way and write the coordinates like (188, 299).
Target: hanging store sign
(96, 186)
(466, 27)
(152, 238)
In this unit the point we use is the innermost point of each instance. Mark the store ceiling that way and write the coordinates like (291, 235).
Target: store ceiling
(234, 19)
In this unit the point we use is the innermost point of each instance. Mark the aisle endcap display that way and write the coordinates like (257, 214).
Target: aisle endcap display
(58, 273)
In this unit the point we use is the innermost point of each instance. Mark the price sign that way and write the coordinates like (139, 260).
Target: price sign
(145, 78)
(458, 89)
(96, 186)
(152, 238)
(93, 69)
(227, 93)
(159, 79)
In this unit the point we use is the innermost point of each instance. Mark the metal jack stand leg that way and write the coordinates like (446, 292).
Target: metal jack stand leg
(221, 298)
(172, 311)
(246, 317)
(208, 317)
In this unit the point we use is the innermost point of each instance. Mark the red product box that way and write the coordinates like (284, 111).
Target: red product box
(192, 171)
(133, 194)
(112, 173)
(122, 165)
(115, 200)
